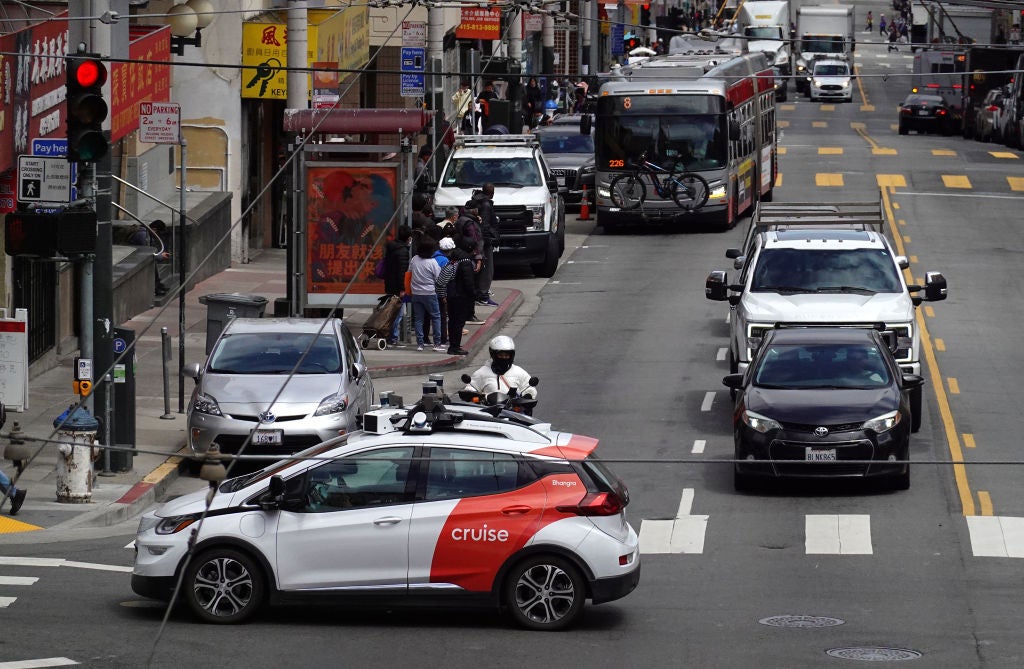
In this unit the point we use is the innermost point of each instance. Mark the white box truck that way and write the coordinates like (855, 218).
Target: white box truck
(823, 31)
(766, 25)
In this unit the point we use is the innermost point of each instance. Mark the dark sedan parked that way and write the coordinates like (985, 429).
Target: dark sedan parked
(927, 113)
(570, 155)
(822, 402)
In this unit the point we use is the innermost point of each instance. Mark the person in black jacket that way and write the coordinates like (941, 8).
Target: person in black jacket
(396, 262)
(534, 106)
(489, 230)
(460, 292)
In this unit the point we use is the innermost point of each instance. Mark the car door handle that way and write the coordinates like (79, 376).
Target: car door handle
(388, 520)
(516, 510)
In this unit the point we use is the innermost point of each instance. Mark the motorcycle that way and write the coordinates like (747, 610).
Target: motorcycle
(510, 401)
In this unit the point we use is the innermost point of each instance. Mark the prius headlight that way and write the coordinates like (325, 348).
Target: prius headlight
(883, 423)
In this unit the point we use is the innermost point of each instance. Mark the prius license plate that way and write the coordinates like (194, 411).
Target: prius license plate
(819, 455)
(267, 437)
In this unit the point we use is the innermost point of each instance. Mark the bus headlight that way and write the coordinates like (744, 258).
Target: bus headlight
(717, 193)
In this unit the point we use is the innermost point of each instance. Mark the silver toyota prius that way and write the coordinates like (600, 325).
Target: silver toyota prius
(277, 386)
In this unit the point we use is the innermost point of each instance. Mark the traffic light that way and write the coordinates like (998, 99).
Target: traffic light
(50, 235)
(629, 43)
(87, 109)
(645, 14)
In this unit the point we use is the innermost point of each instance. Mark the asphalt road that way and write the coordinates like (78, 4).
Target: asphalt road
(629, 350)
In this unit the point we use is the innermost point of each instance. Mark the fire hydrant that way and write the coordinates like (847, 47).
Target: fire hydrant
(76, 433)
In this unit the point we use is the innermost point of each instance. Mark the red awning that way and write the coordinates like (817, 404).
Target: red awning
(342, 121)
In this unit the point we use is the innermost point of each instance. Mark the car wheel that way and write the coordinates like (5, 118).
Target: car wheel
(915, 409)
(903, 129)
(742, 482)
(545, 592)
(902, 481)
(546, 268)
(223, 585)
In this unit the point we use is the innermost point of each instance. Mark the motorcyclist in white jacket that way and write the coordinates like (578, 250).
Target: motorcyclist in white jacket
(501, 374)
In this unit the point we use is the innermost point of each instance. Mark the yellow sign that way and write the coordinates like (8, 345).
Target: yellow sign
(341, 38)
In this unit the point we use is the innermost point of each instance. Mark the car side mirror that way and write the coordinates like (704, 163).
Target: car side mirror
(934, 287)
(716, 286)
(733, 253)
(358, 370)
(274, 497)
(733, 381)
(192, 370)
(912, 381)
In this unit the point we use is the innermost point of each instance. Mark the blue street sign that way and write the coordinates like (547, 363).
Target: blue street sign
(616, 39)
(413, 59)
(56, 147)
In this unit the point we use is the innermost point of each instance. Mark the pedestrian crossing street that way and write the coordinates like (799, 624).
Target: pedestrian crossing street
(824, 534)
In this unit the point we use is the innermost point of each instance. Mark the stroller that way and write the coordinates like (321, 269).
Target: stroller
(378, 326)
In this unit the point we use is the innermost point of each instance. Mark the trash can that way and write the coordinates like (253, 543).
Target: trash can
(222, 307)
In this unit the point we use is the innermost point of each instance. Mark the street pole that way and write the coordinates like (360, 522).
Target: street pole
(182, 271)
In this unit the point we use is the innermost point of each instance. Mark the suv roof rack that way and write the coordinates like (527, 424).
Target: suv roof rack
(500, 140)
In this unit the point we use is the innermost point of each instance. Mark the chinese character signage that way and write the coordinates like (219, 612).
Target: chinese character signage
(140, 80)
(479, 23)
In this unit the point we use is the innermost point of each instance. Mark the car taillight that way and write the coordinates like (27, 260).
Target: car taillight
(906, 110)
(940, 112)
(992, 108)
(596, 504)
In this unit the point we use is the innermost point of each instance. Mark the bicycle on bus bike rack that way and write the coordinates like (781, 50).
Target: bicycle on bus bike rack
(688, 190)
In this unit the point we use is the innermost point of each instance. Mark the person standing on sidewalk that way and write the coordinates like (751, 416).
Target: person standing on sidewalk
(424, 271)
(459, 294)
(489, 231)
(396, 263)
(468, 227)
(7, 488)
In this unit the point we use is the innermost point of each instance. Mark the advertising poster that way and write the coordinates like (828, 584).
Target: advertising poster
(347, 207)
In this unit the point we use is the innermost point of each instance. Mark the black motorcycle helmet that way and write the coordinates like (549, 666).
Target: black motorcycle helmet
(503, 354)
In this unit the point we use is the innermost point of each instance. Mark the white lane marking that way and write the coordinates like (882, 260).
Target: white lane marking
(698, 446)
(5, 602)
(728, 317)
(709, 398)
(38, 664)
(17, 580)
(996, 536)
(722, 352)
(838, 534)
(58, 562)
(683, 534)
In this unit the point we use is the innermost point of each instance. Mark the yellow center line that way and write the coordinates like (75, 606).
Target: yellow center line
(969, 440)
(986, 502)
(952, 439)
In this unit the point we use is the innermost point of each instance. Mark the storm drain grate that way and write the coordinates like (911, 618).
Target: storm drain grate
(805, 622)
(874, 654)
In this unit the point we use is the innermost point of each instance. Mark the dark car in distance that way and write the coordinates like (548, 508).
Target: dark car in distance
(927, 113)
(823, 402)
(570, 155)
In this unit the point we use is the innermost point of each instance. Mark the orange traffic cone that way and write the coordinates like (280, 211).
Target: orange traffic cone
(585, 206)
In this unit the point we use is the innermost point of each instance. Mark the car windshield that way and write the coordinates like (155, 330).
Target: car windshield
(865, 271)
(575, 143)
(275, 353)
(831, 71)
(822, 366)
(475, 172)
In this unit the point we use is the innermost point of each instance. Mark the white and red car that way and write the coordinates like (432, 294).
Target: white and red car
(437, 501)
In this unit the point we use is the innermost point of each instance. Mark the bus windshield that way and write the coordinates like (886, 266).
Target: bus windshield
(697, 141)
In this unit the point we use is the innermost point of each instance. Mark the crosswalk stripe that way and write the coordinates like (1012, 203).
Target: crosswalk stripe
(41, 663)
(17, 580)
(956, 181)
(682, 534)
(996, 536)
(6, 601)
(837, 534)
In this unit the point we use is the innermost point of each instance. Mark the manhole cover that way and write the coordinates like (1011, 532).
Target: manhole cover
(874, 654)
(806, 622)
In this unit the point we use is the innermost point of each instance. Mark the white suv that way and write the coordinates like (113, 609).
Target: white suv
(830, 80)
(530, 210)
(439, 500)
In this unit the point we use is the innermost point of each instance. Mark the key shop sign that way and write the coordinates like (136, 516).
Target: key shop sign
(160, 122)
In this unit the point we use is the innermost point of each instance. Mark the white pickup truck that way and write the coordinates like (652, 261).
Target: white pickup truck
(822, 264)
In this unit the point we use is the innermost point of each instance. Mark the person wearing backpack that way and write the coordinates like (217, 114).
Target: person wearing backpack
(457, 284)
(468, 227)
(489, 232)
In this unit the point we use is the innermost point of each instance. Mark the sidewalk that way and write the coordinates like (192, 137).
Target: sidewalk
(160, 437)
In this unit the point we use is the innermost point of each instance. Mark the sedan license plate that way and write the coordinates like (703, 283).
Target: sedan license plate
(267, 437)
(823, 455)
(922, 112)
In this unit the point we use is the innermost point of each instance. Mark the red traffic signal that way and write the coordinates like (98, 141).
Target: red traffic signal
(87, 109)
